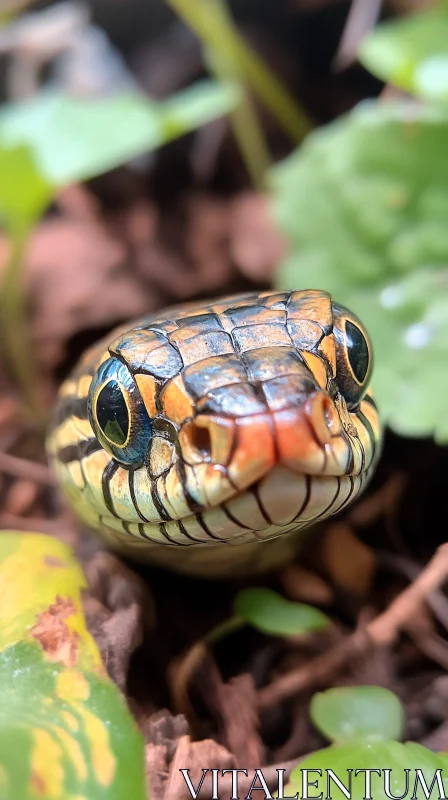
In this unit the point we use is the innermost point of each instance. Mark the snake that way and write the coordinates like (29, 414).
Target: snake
(207, 437)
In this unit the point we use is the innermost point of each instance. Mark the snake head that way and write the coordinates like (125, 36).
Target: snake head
(231, 421)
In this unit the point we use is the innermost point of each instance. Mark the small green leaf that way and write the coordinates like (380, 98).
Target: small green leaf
(271, 613)
(390, 758)
(362, 713)
(365, 204)
(197, 105)
(24, 193)
(412, 53)
(74, 139)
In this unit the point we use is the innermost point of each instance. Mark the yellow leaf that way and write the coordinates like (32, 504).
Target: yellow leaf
(40, 586)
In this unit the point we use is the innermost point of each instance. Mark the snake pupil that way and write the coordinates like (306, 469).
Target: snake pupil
(112, 413)
(358, 353)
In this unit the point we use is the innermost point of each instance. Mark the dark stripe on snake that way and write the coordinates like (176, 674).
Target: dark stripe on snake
(305, 500)
(233, 519)
(126, 527)
(363, 455)
(352, 486)
(133, 495)
(370, 401)
(108, 473)
(192, 503)
(183, 530)
(76, 452)
(206, 529)
(162, 529)
(71, 406)
(144, 535)
(160, 508)
(350, 457)
(331, 504)
(260, 505)
(369, 430)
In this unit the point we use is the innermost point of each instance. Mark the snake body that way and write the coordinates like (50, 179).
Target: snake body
(196, 435)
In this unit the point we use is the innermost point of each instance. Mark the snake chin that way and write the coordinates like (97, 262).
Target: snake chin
(274, 510)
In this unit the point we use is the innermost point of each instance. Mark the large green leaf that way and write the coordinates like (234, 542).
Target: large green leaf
(73, 139)
(411, 53)
(345, 760)
(362, 713)
(65, 730)
(271, 613)
(365, 204)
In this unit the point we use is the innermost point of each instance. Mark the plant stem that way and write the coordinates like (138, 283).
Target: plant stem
(214, 26)
(223, 629)
(245, 126)
(14, 324)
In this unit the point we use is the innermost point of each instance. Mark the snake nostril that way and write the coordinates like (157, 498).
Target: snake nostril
(207, 439)
(200, 440)
(196, 442)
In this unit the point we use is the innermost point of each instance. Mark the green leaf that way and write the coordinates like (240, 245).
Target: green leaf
(367, 713)
(271, 613)
(197, 105)
(365, 204)
(74, 139)
(411, 53)
(345, 760)
(24, 193)
(65, 730)
(64, 733)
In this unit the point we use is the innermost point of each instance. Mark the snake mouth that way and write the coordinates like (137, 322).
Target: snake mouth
(256, 477)
(225, 456)
(281, 502)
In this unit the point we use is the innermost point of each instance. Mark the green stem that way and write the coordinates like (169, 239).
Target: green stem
(214, 26)
(248, 134)
(14, 324)
(245, 126)
(223, 629)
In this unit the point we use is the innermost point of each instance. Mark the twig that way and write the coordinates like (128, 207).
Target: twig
(23, 468)
(14, 327)
(218, 33)
(382, 632)
(362, 17)
(384, 629)
(437, 601)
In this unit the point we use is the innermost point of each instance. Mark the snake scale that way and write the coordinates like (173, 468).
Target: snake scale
(197, 434)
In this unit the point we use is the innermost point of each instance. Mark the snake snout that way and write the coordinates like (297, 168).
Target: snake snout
(233, 452)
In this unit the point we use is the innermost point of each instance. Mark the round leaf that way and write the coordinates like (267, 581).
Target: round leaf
(365, 204)
(271, 613)
(345, 760)
(412, 53)
(367, 713)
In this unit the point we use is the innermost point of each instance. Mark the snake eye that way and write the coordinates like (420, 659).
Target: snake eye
(353, 356)
(112, 413)
(117, 413)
